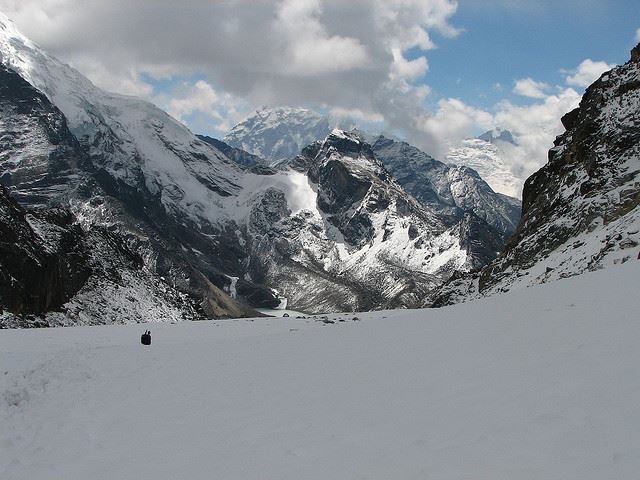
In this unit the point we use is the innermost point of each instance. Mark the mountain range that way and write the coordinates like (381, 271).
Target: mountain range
(114, 212)
(208, 224)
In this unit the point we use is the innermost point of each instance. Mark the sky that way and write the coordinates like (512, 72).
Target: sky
(431, 71)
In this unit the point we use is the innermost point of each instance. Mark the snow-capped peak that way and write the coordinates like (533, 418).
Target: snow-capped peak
(280, 133)
(486, 155)
(498, 135)
(12, 42)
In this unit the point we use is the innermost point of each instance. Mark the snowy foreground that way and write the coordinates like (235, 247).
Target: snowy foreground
(540, 383)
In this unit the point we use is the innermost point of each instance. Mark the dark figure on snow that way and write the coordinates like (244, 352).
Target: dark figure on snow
(145, 339)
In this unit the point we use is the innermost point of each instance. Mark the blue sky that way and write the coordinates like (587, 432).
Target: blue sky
(502, 43)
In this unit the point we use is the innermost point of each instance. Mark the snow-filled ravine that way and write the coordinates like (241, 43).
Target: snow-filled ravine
(540, 383)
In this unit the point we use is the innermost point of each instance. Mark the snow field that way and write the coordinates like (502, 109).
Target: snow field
(537, 383)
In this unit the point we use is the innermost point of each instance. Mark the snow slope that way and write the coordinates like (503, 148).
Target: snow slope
(535, 384)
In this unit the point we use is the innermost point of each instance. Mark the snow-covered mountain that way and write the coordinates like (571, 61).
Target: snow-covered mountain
(203, 225)
(99, 264)
(432, 182)
(137, 171)
(281, 133)
(485, 154)
(581, 211)
(39, 156)
(453, 190)
(359, 241)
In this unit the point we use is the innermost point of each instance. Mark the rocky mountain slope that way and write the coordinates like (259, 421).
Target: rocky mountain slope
(39, 157)
(581, 211)
(236, 155)
(451, 189)
(359, 230)
(77, 254)
(117, 163)
(53, 272)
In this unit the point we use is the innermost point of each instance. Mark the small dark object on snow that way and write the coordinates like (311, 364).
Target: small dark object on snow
(145, 339)
(285, 315)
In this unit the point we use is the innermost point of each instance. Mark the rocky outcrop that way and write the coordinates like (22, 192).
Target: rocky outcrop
(361, 242)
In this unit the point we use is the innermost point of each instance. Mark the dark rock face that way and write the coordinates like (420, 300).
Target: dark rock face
(480, 240)
(581, 211)
(43, 258)
(366, 245)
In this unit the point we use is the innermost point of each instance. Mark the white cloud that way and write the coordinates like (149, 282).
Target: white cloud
(349, 58)
(536, 126)
(331, 53)
(357, 115)
(404, 69)
(221, 110)
(527, 87)
(309, 49)
(586, 73)
(126, 81)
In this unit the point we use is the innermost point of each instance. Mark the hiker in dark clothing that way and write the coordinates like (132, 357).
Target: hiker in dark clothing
(145, 339)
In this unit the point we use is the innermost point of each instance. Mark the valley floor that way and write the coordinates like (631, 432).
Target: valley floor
(540, 383)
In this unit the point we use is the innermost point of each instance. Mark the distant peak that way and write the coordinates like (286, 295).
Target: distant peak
(498, 135)
(285, 111)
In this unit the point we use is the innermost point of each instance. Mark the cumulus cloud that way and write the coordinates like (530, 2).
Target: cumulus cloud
(308, 48)
(403, 69)
(199, 101)
(535, 126)
(453, 121)
(527, 87)
(587, 72)
(350, 55)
